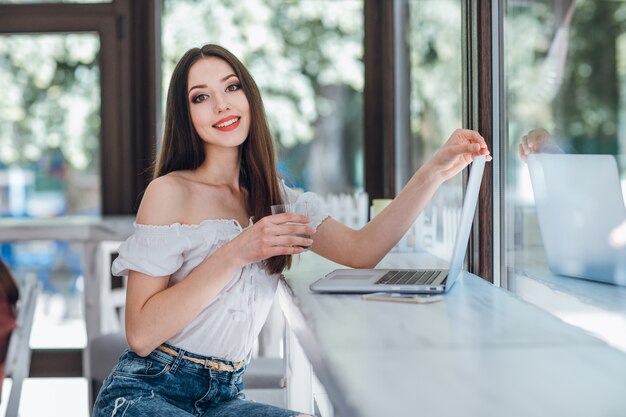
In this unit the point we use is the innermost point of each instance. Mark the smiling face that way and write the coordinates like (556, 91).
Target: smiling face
(219, 109)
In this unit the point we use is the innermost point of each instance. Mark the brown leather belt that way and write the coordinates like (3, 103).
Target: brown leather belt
(214, 365)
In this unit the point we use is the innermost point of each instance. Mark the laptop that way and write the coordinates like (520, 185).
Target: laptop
(579, 202)
(412, 281)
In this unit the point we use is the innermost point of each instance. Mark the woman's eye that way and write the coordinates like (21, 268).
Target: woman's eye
(233, 87)
(199, 98)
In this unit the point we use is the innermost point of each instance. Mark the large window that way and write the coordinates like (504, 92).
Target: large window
(435, 103)
(50, 165)
(436, 70)
(49, 125)
(307, 58)
(565, 73)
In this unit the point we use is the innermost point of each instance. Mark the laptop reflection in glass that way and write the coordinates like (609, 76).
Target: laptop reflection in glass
(579, 203)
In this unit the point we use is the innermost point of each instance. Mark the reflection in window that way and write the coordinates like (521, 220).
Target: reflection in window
(435, 55)
(49, 165)
(565, 76)
(307, 58)
(565, 72)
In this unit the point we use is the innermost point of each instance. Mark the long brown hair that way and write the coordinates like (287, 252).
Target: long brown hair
(8, 286)
(182, 148)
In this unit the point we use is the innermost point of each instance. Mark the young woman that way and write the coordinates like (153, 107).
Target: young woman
(205, 259)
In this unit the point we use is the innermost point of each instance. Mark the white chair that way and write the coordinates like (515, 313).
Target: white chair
(105, 348)
(267, 367)
(17, 365)
(112, 296)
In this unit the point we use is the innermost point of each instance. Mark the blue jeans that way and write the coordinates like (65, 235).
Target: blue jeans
(162, 384)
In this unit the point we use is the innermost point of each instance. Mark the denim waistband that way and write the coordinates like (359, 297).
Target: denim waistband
(215, 364)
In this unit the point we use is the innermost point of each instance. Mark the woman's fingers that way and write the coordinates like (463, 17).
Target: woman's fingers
(285, 230)
(463, 141)
(467, 151)
(522, 152)
(276, 228)
(287, 218)
(470, 136)
(536, 141)
(293, 240)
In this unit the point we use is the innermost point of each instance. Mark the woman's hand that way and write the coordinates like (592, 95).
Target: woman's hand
(537, 141)
(457, 153)
(274, 235)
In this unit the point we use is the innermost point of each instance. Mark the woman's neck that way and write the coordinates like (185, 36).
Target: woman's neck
(220, 167)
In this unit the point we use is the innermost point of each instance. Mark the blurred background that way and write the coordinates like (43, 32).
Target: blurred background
(356, 104)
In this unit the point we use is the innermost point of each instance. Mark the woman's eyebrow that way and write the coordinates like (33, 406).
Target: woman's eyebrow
(196, 86)
(227, 77)
(205, 86)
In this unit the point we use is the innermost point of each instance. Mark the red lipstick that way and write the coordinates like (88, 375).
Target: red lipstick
(227, 124)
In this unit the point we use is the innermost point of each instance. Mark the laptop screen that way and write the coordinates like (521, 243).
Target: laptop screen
(467, 216)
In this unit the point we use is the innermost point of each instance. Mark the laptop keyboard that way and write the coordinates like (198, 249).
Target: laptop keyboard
(408, 278)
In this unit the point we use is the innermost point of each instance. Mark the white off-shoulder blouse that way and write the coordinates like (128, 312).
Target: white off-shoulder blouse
(230, 323)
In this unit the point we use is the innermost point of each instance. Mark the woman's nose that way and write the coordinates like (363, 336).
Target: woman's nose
(220, 104)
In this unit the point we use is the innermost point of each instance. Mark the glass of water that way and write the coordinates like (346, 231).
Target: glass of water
(300, 208)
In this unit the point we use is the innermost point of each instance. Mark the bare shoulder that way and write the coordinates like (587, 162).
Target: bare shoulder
(163, 201)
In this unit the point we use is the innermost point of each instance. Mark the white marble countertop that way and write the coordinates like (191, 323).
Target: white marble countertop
(597, 307)
(480, 352)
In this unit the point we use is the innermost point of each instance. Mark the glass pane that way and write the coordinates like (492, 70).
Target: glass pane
(435, 50)
(49, 165)
(565, 82)
(307, 58)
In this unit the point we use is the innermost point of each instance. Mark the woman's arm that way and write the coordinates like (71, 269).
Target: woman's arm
(364, 248)
(156, 312)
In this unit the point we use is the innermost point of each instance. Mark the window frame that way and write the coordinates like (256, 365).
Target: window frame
(130, 110)
(384, 114)
(379, 104)
(479, 99)
(129, 84)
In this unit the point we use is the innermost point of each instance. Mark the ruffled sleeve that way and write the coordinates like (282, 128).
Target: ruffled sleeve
(152, 250)
(315, 206)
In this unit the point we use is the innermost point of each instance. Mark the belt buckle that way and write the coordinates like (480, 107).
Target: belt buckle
(216, 366)
(208, 364)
